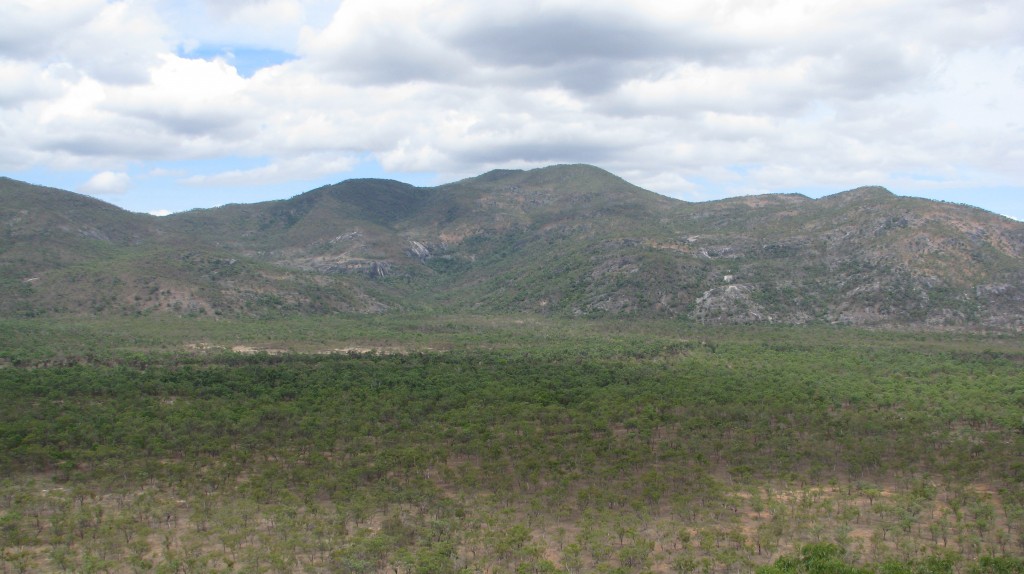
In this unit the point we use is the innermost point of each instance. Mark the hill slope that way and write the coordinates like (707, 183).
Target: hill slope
(571, 240)
(61, 252)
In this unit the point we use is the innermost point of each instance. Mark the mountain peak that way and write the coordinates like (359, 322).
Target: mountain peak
(382, 201)
(865, 193)
(565, 181)
(577, 172)
(551, 174)
(494, 175)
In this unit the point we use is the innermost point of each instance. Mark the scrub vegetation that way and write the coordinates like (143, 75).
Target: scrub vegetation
(493, 444)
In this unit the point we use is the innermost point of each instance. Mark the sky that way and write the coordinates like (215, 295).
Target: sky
(166, 105)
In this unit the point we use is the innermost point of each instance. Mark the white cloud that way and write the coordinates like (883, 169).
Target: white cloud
(106, 183)
(304, 167)
(22, 82)
(161, 212)
(187, 97)
(114, 42)
(681, 188)
(33, 30)
(675, 96)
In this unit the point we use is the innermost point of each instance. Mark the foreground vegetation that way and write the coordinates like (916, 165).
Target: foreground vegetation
(480, 444)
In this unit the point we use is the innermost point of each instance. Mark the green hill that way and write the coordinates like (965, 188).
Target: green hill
(563, 240)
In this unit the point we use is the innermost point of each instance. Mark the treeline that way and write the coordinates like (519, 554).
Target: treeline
(699, 456)
(826, 558)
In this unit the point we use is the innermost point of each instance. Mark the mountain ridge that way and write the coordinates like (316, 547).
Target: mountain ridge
(569, 240)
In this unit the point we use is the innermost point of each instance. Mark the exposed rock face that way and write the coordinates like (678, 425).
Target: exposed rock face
(379, 269)
(417, 250)
(729, 304)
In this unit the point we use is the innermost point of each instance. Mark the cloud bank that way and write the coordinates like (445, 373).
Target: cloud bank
(693, 100)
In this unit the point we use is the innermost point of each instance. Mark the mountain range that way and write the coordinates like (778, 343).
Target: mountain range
(568, 240)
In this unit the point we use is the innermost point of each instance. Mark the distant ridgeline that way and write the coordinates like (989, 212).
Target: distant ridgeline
(563, 240)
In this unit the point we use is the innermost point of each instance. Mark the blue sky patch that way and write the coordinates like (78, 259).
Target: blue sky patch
(247, 61)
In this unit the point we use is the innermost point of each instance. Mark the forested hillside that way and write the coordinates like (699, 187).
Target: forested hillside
(564, 241)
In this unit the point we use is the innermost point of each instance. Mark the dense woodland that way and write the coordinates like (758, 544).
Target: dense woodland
(490, 445)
